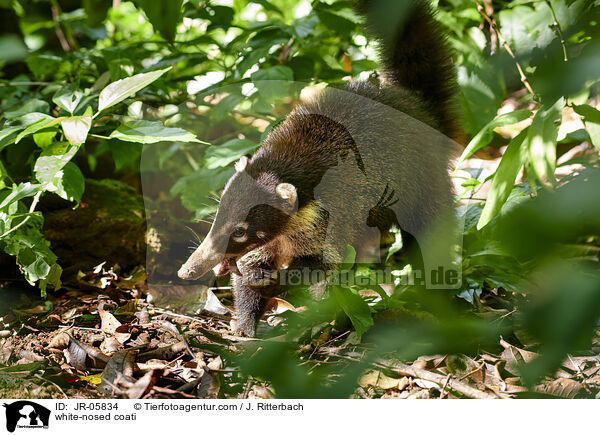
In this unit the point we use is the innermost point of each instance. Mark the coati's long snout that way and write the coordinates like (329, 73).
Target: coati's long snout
(209, 255)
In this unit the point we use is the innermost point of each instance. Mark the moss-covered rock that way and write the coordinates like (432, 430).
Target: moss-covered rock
(109, 225)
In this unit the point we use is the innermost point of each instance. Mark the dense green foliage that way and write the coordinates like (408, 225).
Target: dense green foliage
(80, 82)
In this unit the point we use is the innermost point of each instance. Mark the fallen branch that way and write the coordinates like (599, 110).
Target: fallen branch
(441, 380)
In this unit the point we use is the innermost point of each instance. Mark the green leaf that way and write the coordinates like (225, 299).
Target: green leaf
(46, 65)
(164, 15)
(76, 128)
(121, 89)
(305, 26)
(335, 23)
(37, 126)
(95, 11)
(19, 192)
(591, 120)
(268, 6)
(52, 279)
(70, 183)
(28, 108)
(222, 155)
(355, 307)
(541, 141)
(12, 48)
(504, 179)
(485, 135)
(68, 98)
(274, 73)
(7, 135)
(142, 131)
(57, 174)
(32, 250)
(196, 188)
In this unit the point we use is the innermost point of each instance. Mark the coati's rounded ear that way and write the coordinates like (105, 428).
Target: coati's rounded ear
(287, 192)
(241, 164)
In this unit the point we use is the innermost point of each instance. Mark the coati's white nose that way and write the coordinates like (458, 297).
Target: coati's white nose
(202, 260)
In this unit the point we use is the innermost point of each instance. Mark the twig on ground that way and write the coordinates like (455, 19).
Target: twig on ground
(453, 384)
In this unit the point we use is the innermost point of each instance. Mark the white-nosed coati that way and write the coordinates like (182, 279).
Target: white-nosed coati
(343, 167)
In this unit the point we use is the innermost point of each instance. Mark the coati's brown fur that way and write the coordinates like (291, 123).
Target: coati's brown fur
(342, 168)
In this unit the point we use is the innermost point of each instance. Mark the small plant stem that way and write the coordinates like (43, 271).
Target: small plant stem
(494, 27)
(36, 198)
(558, 30)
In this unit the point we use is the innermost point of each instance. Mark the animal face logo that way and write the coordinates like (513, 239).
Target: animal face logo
(26, 414)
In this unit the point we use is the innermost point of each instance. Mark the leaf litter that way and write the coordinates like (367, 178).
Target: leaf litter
(107, 338)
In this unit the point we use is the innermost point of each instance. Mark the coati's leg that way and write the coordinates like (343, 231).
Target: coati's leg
(249, 307)
(252, 288)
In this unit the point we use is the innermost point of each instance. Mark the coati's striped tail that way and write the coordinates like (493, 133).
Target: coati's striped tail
(413, 53)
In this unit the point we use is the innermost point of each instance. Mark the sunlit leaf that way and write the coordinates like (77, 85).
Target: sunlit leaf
(541, 141)
(591, 120)
(142, 131)
(355, 307)
(485, 135)
(121, 89)
(76, 128)
(219, 156)
(504, 180)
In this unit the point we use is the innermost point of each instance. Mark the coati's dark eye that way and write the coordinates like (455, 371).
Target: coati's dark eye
(238, 232)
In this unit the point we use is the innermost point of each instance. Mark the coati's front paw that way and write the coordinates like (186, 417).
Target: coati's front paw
(259, 277)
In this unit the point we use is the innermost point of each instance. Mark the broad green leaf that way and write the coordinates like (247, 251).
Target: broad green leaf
(121, 89)
(29, 107)
(37, 126)
(541, 141)
(355, 307)
(504, 179)
(591, 120)
(7, 135)
(46, 65)
(275, 73)
(125, 154)
(67, 182)
(57, 174)
(68, 98)
(76, 128)
(142, 131)
(70, 183)
(219, 156)
(95, 11)
(268, 6)
(4, 133)
(164, 15)
(305, 26)
(196, 188)
(12, 48)
(21, 191)
(31, 249)
(485, 135)
(272, 83)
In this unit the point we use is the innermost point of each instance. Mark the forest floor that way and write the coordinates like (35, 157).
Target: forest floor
(108, 339)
